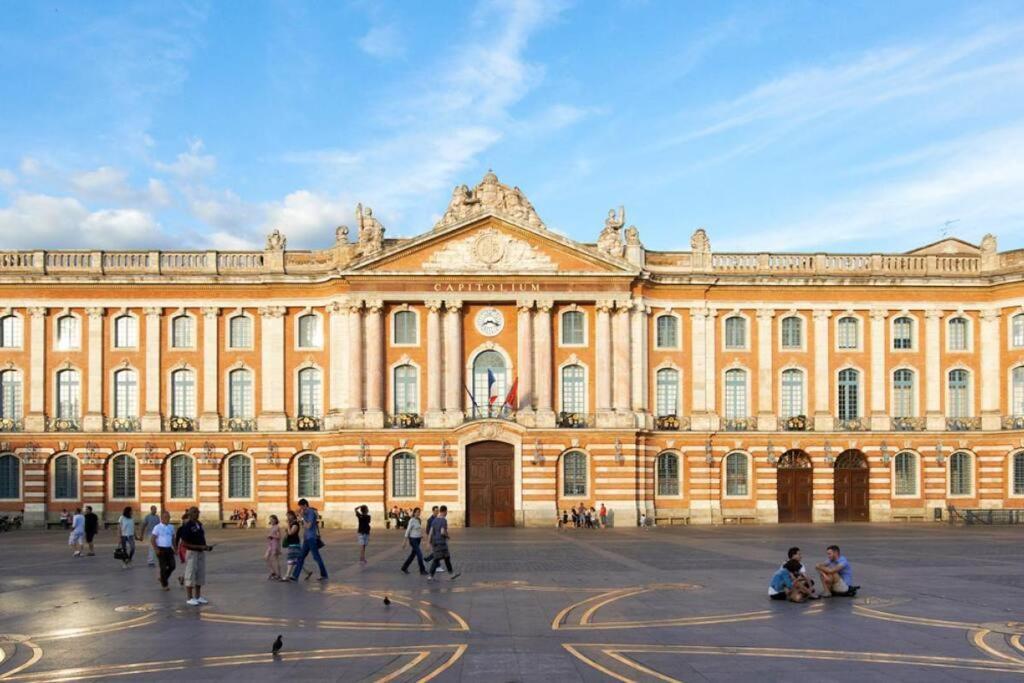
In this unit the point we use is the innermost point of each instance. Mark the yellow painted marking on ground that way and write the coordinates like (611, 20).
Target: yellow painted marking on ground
(461, 650)
(978, 640)
(888, 616)
(590, 662)
(607, 601)
(327, 624)
(1015, 641)
(95, 630)
(555, 624)
(413, 663)
(681, 621)
(639, 667)
(37, 654)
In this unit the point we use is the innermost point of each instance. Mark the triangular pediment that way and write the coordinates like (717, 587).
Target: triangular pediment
(947, 245)
(492, 244)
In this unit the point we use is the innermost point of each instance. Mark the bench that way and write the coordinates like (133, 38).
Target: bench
(671, 519)
(55, 525)
(908, 517)
(739, 519)
(236, 523)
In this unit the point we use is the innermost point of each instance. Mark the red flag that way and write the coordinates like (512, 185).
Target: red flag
(513, 394)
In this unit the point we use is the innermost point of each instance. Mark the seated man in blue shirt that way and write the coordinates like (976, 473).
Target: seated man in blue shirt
(836, 575)
(789, 584)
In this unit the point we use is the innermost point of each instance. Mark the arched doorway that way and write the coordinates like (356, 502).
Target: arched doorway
(794, 490)
(490, 484)
(851, 487)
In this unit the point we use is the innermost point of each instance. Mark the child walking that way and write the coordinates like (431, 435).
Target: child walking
(273, 554)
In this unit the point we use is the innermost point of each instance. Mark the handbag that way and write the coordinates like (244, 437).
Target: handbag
(120, 554)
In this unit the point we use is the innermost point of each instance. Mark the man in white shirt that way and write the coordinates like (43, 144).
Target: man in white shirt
(77, 532)
(161, 540)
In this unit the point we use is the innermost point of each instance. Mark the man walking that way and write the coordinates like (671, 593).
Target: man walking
(161, 540)
(310, 541)
(77, 532)
(439, 543)
(92, 526)
(148, 524)
(193, 537)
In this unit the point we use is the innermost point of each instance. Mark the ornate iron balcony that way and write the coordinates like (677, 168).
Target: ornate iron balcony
(123, 424)
(1013, 421)
(739, 424)
(305, 423)
(11, 424)
(178, 423)
(796, 423)
(963, 424)
(671, 423)
(574, 420)
(491, 413)
(908, 424)
(63, 424)
(238, 424)
(854, 424)
(404, 421)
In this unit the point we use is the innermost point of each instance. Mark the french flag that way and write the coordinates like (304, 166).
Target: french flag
(492, 388)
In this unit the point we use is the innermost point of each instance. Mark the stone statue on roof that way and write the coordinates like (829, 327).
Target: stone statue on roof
(610, 240)
(371, 232)
(276, 241)
(489, 195)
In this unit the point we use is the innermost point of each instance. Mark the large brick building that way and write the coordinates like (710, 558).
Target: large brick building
(694, 384)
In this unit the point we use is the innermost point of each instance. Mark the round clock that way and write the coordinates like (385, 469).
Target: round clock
(489, 322)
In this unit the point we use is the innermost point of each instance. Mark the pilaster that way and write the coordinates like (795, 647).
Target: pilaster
(990, 364)
(622, 367)
(93, 421)
(35, 420)
(524, 352)
(639, 362)
(879, 374)
(354, 358)
(434, 416)
(151, 415)
(542, 361)
(336, 397)
(711, 368)
(272, 416)
(209, 418)
(934, 418)
(453, 382)
(766, 417)
(374, 415)
(698, 374)
(823, 419)
(604, 361)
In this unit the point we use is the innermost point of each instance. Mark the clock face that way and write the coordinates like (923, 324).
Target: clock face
(489, 322)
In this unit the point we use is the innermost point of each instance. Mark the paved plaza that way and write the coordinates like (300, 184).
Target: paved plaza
(683, 603)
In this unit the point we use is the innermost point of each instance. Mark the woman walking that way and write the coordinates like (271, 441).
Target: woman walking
(292, 542)
(126, 527)
(273, 554)
(414, 533)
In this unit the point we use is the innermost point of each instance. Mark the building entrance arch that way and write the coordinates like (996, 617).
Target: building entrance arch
(795, 487)
(490, 484)
(851, 487)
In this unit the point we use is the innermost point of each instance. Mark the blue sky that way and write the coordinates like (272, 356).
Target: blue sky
(794, 126)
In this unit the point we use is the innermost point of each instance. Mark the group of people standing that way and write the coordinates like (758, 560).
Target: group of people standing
(300, 538)
(791, 582)
(583, 517)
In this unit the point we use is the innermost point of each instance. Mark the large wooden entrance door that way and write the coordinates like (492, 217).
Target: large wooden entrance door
(490, 484)
(851, 487)
(795, 487)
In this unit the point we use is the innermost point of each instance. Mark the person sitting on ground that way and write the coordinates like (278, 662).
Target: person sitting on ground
(836, 575)
(788, 584)
(795, 554)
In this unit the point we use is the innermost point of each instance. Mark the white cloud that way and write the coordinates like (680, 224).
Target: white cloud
(110, 183)
(7, 178)
(306, 218)
(382, 42)
(35, 221)
(30, 166)
(191, 165)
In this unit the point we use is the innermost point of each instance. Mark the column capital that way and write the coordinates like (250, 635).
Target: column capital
(272, 311)
(605, 305)
(353, 305)
(153, 311)
(699, 313)
(545, 305)
(765, 313)
(989, 315)
(210, 312)
(336, 307)
(822, 314)
(879, 314)
(932, 314)
(37, 311)
(524, 305)
(374, 306)
(94, 312)
(453, 305)
(640, 307)
(433, 305)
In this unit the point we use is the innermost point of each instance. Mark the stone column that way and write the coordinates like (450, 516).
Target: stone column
(93, 421)
(621, 360)
(711, 368)
(767, 417)
(990, 364)
(453, 361)
(603, 361)
(879, 375)
(524, 338)
(272, 417)
(151, 414)
(698, 371)
(542, 364)
(209, 418)
(374, 415)
(433, 417)
(35, 420)
(639, 363)
(354, 360)
(934, 417)
(823, 418)
(337, 400)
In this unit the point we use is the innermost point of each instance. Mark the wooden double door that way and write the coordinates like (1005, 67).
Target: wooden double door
(795, 488)
(490, 484)
(851, 488)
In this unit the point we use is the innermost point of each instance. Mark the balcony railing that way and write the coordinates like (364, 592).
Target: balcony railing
(908, 424)
(671, 423)
(854, 424)
(796, 423)
(963, 424)
(1013, 421)
(63, 424)
(238, 424)
(739, 424)
(574, 420)
(122, 424)
(11, 424)
(404, 421)
(178, 423)
(305, 423)
(491, 413)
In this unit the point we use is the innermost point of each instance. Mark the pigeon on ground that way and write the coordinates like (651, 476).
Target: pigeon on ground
(387, 601)
(277, 646)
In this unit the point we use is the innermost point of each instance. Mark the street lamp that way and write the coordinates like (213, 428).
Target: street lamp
(771, 454)
(939, 455)
(271, 453)
(709, 453)
(618, 452)
(538, 457)
(884, 448)
(828, 453)
(446, 456)
(364, 456)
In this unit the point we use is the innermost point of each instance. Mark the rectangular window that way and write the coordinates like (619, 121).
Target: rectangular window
(735, 394)
(240, 332)
(405, 327)
(903, 394)
(572, 328)
(406, 398)
(902, 331)
(309, 332)
(736, 475)
(668, 332)
(1018, 331)
(667, 392)
(849, 381)
(126, 394)
(958, 334)
(792, 393)
(10, 395)
(181, 328)
(906, 475)
(240, 400)
(126, 332)
(735, 333)
(183, 394)
(67, 332)
(573, 390)
(848, 333)
(792, 328)
(1017, 409)
(959, 404)
(10, 332)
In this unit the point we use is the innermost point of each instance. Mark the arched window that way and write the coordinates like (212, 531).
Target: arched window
(126, 394)
(183, 393)
(240, 332)
(667, 392)
(903, 333)
(573, 333)
(573, 389)
(668, 474)
(126, 332)
(10, 477)
(10, 395)
(903, 393)
(849, 391)
(406, 390)
(240, 394)
(240, 476)
(405, 328)
(65, 477)
(67, 332)
(1017, 397)
(905, 466)
(958, 330)
(494, 362)
(735, 394)
(1018, 474)
(69, 394)
(574, 474)
(737, 475)
(848, 333)
(308, 475)
(960, 466)
(1017, 331)
(735, 332)
(181, 476)
(122, 476)
(959, 394)
(792, 393)
(309, 392)
(310, 336)
(10, 332)
(667, 336)
(182, 332)
(403, 475)
(792, 332)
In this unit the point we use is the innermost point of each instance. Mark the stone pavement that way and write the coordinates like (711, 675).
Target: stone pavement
(683, 603)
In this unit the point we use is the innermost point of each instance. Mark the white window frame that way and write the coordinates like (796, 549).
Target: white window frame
(679, 331)
(561, 475)
(227, 331)
(16, 372)
(318, 337)
(195, 391)
(298, 394)
(76, 344)
(861, 383)
(968, 333)
(1010, 391)
(746, 393)
(573, 360)
(226, 474)
(915, 391)
(113, 390)
(404, 308)
(56, 390)
(253, 390)
(471, 357)
(679, 479)
(668, 365)
(21, 477)
(972, 464)
(110, 475)
(53, 476)
(746, 332)
(393, 384)
(781, 394)
(802, 347)
(573, 308)
(19, 323)
(170, 481)
(113, 331)
(725, 476)
(1009, 330)
(860, 332)
(915, 333)
(295, 475)
(391, 475)
(170, 331)
(949, 393)
(1011, 473)
(917, 475)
